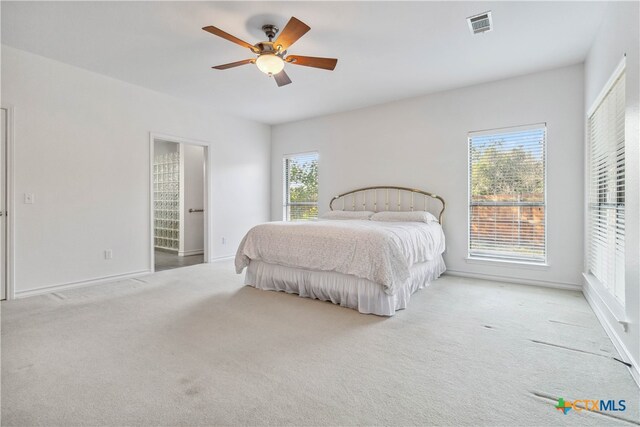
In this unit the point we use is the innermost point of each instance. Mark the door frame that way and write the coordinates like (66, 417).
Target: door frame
(208, 160)
(9, 205)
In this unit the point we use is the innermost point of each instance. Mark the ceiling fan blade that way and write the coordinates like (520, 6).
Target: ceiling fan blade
(234, 64)
(294, 29)
(282, 78)
(310, 61)
(218, 32)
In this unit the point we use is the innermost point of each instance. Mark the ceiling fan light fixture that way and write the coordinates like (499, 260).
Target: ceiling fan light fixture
(270, 63)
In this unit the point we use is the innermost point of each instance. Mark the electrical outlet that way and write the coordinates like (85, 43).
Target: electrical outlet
(29, 198)
(108, 254)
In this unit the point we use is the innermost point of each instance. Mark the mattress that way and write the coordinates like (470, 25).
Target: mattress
(343, 289)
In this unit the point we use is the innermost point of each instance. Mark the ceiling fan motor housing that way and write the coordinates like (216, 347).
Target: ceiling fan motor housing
(266, 48)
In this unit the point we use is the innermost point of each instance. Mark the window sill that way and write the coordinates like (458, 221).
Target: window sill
(508, 263)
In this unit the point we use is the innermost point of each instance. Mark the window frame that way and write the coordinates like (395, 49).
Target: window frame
(285, 190)
(502, 260)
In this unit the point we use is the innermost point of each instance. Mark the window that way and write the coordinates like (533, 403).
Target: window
(607, 188)
(300, 186)
(507, 215)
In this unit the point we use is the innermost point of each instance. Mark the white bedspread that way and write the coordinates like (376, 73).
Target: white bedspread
(382, 252)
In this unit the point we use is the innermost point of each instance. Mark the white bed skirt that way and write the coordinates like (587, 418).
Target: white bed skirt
(348, 291)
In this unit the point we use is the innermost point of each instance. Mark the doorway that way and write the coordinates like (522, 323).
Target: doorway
(179, 197)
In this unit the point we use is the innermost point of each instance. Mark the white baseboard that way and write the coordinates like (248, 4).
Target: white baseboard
(599, 308)
(79, 284)
(222, 258)
(191, 252)
(519, 281)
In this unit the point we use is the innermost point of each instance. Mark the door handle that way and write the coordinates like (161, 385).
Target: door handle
(195, 210)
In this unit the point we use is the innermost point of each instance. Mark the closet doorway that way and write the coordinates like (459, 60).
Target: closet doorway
(179, 199)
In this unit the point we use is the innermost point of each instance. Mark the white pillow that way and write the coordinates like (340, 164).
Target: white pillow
(398, 216)
(347, 215)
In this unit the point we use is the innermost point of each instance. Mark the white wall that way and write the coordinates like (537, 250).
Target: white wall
(619, 34)
(193, 162)
(422, 143)
(82, 147)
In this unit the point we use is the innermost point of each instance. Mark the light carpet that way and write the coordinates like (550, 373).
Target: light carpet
(193, 346)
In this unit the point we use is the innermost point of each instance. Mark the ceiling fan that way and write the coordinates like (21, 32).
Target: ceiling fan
(272, 54)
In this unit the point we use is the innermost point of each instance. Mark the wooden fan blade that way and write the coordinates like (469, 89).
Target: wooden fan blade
(218, 32)
(294, 29)
(310, 61)
(282, 78)
(234, 64)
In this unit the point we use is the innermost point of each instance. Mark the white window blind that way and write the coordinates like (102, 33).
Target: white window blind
(300, 173)
(606, 189)
(507, 200)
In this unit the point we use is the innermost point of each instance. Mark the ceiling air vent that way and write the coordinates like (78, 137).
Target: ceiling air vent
(480, 23)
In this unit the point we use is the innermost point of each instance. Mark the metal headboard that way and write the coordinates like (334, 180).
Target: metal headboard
(390, 195)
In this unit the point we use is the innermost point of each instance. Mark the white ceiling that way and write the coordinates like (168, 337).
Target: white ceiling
(386, 50)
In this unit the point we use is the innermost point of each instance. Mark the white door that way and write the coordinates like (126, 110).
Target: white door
(3, 205)
(192, 190)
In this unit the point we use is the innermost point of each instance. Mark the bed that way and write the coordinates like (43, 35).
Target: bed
(374, 248)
